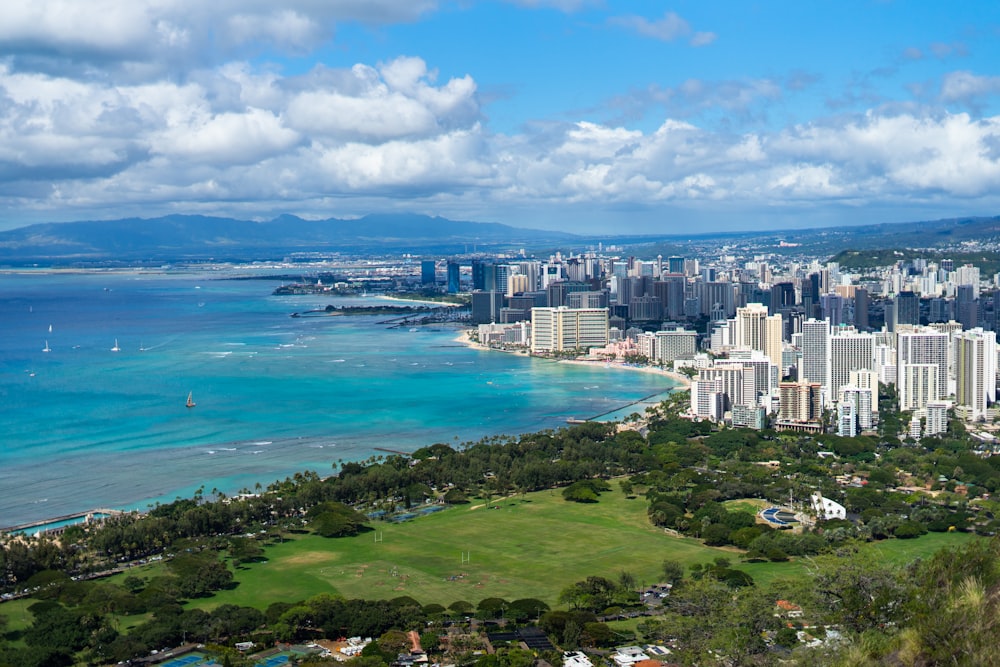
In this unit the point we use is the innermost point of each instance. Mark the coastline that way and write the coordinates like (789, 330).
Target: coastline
(682, 380)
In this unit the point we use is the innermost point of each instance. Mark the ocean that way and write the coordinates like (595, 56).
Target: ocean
(86, 426)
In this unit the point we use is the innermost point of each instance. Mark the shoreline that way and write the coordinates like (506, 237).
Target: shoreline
(682, 380)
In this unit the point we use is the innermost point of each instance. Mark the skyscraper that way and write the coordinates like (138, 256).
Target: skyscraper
(816, 354)
(849, 351)
(757, 330)
(921, 346)
(907, 308)
(975, 371)
(427, 272)
(454, 278)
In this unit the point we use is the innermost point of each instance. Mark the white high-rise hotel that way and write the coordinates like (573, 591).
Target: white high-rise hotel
(560, 329)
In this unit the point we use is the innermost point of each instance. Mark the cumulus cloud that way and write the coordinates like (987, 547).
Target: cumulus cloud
(238, 136)
(162, 33)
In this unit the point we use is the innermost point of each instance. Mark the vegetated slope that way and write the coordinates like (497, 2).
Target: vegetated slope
(197, 236)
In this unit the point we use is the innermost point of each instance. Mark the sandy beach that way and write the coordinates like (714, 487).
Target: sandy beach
(680, 378)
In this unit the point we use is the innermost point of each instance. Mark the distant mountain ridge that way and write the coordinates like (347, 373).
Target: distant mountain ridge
(200, 237)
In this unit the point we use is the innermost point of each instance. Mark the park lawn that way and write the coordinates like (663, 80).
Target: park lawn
(902, 552)
(532, 546)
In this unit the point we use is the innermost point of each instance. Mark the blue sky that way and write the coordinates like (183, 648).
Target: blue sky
(638, 117)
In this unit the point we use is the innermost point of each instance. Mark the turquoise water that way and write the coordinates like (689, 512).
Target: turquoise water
(86, 427)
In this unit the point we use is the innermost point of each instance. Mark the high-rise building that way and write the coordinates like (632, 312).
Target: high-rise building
(479, 270)
(717, 296)
(707, 399)
(966, 306)
(861, 308)
(801, 402)
(559, 291)
(757, 330)
(847, 423)
(907, 308)
(918, 385)
(975, 372)
(782, 298)
(486, 307)
(675, 344)
(454, 278)
(587, 299)
(849, 351)
(922, 345)
(428, 272)
(816, 354)
(937, 417)
(561, 329)
(861, 400)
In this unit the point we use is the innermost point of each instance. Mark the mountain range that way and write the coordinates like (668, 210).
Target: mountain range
(198, 237)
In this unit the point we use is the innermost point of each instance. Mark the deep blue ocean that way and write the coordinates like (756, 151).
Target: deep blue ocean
(83, 426)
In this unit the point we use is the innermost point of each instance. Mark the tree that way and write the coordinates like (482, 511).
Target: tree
(672, 572)
(860, 592)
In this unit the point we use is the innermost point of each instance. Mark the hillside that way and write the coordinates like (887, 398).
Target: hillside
(202, 237)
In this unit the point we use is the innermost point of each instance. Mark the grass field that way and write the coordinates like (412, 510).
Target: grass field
(531, 547)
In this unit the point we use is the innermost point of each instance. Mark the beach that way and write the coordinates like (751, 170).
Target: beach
(465, 338)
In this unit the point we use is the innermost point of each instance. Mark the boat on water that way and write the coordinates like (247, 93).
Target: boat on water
(190, 402)
(46, 348)
(116, 348)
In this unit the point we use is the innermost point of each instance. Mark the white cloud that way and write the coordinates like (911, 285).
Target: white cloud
(666, 29)
(703, 38)
(669, 28)
(164, 32)
(965, 86)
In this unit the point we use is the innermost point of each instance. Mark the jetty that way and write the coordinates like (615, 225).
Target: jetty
(577, 420)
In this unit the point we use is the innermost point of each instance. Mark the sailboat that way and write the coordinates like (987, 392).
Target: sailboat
(116, 348)
(190, 402)
(46, 348)
(50, 328)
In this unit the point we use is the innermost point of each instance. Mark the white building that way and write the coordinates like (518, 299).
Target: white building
(707, 399)
(937, 417)
(921, 346)
(975, 372)
(756, 330)
(816, 355)
(561, 329)
(849, 351)
(826, 508)
(676, 344)
(918, 385)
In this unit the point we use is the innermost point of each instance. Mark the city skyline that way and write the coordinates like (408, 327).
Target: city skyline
(562, 114)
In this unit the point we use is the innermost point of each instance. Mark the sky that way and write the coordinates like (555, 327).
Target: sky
(576, 115)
